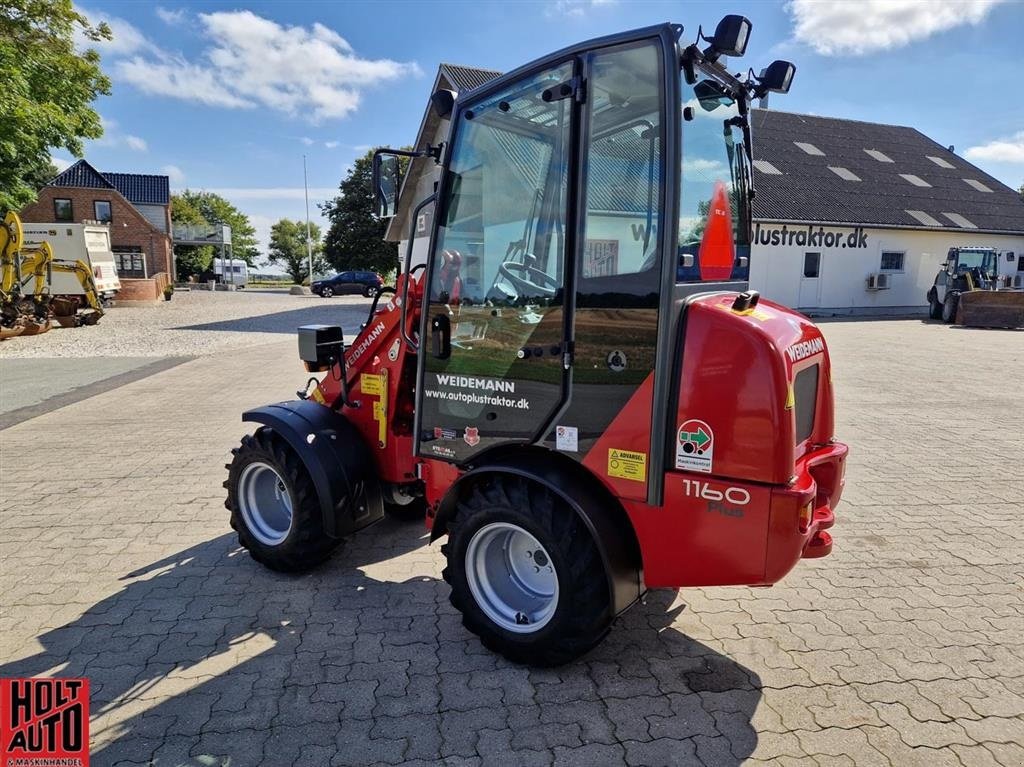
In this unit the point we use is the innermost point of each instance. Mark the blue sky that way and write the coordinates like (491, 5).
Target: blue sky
(229, 96)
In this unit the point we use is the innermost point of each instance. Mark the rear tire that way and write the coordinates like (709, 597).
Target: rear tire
(274, 505)
(526, 573)
(949, 308)
(934, 307)
(327, 292)
(369, 292)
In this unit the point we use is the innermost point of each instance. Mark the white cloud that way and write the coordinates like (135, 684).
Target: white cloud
(176, 78)
(174, 174)
(841, 27)
(171, 17)
(307, 141)
(332, 144)
(1002, 150)
(113, 136)
(60, 163)
(574, 8)
(249, 61)
(125, 37)
(275, 193)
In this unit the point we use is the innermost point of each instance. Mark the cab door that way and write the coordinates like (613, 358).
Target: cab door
(493, 363)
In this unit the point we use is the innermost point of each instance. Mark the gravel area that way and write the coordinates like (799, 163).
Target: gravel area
(193, 323)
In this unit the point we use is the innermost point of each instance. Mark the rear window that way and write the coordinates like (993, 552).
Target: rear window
(805, 393)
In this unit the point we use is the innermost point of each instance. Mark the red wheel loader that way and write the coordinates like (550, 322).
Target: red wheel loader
(577, 388)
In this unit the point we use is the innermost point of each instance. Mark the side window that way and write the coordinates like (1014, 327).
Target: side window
(812, 265)
(346, 277)
(712, 181)
(62, 210)
(891, 262)
(623, 213)
(102, 210)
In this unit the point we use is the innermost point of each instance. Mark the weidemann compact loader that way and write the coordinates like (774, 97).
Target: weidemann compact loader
(577, 388)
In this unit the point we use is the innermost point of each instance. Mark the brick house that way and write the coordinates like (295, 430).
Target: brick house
(136, 206)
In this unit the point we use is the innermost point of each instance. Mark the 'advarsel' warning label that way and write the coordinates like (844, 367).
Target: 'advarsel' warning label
(627, 464)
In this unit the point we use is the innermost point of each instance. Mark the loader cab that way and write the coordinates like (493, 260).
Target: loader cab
(583, 198)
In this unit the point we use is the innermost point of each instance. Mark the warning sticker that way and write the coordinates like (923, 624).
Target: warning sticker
(567, 438)
(372, 385)
(627, 464)
(695, 446)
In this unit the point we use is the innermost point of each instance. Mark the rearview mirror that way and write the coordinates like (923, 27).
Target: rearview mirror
(778, 77)
(731, 36)
(710, 95)
(387, 177)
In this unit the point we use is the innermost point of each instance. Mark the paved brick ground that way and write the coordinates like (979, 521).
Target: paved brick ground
(904, 647)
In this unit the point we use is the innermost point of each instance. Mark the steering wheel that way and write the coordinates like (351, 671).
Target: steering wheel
(527, 279)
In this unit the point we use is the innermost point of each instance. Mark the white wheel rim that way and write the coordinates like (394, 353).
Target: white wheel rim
(512, 577)
(265, 503)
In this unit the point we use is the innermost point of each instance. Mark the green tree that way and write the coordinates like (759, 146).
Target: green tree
(189, 260)
(355, 236)
(288, 247)
(48, 87)
(214, 209)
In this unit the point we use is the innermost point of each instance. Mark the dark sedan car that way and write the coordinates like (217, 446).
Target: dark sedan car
(367, 283)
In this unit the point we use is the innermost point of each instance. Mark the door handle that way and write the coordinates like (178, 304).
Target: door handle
(441, 336)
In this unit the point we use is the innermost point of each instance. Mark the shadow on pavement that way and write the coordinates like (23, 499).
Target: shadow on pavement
(348, 315)
(205, 658)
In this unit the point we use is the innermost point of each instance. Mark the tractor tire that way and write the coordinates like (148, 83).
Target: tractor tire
(526, 574)
(949, 307)
(274, 505)
(934, 307)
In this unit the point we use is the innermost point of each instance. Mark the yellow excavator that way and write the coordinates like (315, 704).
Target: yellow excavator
(27, 309)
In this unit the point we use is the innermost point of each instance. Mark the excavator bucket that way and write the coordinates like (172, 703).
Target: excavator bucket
(991, 309)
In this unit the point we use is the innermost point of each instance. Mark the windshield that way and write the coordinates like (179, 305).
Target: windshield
(985, 260)
(715, 184)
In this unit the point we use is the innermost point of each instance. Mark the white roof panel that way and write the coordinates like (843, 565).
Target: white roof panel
(924, 218)
(844, 173)
(940, 161)
(880, 156)
(959, 220)
(977, 185)
(809, 148)
(915, 180)
(766, 167)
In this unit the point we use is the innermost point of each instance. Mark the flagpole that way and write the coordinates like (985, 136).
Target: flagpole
(309, 239)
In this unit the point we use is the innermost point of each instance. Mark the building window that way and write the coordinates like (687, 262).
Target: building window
(891, 262)
(130, 260)
(812, 265)
(102, 210)
(62, 210)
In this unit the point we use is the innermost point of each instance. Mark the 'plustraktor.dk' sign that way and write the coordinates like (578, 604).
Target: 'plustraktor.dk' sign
(810, 237)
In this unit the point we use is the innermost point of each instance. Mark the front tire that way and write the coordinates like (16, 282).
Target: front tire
(526, 573)
(274, 505)
(934, 307)
(369, 292)
(326, 293)
(949, 308)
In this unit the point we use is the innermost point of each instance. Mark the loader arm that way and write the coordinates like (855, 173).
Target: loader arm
(81, 270)
(36, 263)
(11, 238)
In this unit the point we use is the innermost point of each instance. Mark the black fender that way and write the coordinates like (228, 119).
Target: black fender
(600, 511)
(336, 457)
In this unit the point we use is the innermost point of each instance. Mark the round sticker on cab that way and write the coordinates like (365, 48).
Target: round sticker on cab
(695, 446)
